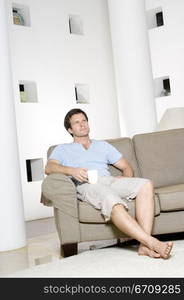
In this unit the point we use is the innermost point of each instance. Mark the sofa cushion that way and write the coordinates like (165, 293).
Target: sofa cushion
(160, 156)
(89, 214)
(171, 197)
(125, 146)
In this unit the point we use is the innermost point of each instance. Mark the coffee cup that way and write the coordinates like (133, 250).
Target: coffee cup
(92, 176)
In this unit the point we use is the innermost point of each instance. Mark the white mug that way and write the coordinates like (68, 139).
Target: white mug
(92, 176)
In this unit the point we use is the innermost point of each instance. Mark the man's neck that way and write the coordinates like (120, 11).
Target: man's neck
(85, 141)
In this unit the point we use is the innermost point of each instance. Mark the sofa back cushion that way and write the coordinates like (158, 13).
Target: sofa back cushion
(160, 156)
(124, 146)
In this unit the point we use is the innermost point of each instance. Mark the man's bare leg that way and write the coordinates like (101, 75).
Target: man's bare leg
(129, 225)
(144, 204)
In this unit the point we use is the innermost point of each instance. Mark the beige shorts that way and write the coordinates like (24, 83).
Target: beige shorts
(110, 191)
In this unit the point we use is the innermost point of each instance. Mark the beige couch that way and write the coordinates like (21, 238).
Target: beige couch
(158, 156)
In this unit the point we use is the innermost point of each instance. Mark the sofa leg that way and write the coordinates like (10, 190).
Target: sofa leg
(69, 249)
(118, 242)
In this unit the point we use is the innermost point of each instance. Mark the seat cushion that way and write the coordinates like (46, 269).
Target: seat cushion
(89, 214)
(171, 197)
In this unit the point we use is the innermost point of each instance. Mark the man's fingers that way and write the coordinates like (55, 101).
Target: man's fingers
(82, 178)
(84, 175)
(81, 175)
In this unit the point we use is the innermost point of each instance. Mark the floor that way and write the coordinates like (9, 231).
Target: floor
(42, 247)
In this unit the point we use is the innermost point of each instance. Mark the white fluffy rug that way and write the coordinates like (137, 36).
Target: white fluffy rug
(111, 262)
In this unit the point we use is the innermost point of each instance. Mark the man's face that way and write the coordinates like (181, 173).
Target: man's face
(79, 125)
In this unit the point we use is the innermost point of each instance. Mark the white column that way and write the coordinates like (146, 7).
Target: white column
(133, 70)
(12, 224)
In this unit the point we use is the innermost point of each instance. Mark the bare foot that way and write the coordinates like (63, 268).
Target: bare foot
(143, 250)
(163, 248)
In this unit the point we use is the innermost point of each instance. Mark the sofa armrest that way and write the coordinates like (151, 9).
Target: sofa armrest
(59, 191)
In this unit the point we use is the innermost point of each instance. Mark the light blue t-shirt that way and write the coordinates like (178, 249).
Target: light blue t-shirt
(97, 157)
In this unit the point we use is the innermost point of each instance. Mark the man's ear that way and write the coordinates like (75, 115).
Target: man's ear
(70, 130)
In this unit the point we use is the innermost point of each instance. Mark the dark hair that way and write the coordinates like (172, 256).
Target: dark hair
(68, 116)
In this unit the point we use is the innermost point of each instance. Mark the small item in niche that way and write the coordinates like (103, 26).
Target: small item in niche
(164, 92)
(23, 94)
(17, 18)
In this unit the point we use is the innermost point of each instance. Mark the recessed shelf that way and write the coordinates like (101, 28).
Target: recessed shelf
(75, 25)
(159, 18)
(82, 93)
(162, 87)
(21, 15)
(35, 169)
(155, 18)
(28, 91)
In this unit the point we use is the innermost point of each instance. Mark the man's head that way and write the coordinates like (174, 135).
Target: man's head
(76, 122)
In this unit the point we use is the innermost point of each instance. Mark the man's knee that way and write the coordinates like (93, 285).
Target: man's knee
(116, 208)
(148, 186)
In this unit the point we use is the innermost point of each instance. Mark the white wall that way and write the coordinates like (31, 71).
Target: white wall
(46, 53)
(167, 51)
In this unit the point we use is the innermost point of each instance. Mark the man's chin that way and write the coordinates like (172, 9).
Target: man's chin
(83, 135)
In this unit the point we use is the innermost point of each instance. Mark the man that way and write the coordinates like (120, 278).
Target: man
(75, 159)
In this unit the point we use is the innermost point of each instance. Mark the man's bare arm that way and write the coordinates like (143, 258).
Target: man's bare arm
(123, 165)
(54, 166)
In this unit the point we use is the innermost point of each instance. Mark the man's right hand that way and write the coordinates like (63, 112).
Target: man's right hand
(80, 174)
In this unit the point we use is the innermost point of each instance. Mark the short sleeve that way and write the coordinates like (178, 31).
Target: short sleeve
(58, 154)
(113, 155)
